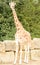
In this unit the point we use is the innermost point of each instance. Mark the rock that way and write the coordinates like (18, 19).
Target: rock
(10, 45)
(35, 54)
(2, 47)
(7, 57)
(36, 41)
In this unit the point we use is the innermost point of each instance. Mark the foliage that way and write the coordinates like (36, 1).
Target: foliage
(28, 13)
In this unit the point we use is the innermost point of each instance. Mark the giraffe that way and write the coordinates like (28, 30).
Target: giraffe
(21, 36)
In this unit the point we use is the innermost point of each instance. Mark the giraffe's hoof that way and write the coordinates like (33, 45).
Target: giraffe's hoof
(20, 62)
(26, 61)
(14, 62)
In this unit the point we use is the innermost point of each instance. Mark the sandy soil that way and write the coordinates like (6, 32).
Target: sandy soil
(30, 63)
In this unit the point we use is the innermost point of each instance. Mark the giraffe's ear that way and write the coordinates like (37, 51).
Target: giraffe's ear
(15, 3)
(9, 3)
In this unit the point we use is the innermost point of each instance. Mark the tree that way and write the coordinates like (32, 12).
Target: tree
(28, 13)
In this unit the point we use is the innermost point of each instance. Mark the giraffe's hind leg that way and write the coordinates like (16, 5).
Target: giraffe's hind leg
(20, 59)
(16, 55)
(26, 58)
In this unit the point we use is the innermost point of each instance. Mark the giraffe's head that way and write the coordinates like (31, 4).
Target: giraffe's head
(12, 5)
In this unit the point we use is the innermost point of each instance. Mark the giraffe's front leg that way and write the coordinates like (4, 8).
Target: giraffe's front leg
(15, 60)
(26, 59)
(20, 59)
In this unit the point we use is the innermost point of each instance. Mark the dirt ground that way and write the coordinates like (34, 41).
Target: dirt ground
(31, 62)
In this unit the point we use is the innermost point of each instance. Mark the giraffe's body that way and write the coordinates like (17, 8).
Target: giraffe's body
(21, 35)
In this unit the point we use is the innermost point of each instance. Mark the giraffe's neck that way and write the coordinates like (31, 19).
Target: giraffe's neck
(16, 21)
